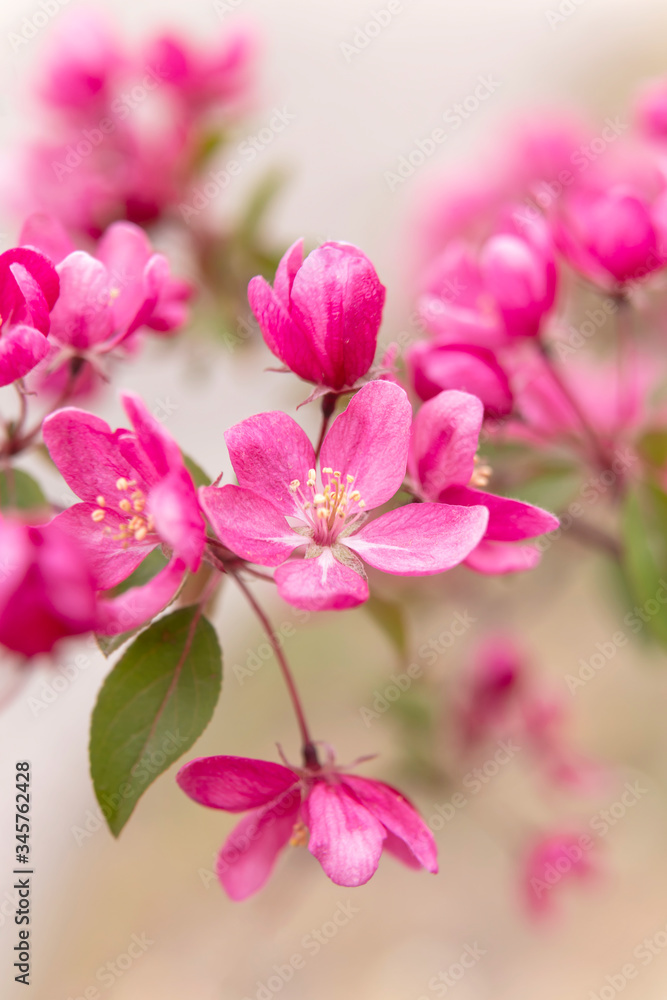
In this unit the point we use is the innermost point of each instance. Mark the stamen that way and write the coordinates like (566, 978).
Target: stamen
(100, 501)
(328, 471)
(98, 515)
(294, 485)
(122, 484)
(125, 505)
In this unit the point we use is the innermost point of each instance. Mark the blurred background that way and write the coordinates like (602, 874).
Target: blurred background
(401, 937)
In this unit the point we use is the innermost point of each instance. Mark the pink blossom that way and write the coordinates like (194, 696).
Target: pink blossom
(490, 690)
(651, 110)
(346, 821)
(104, 300)
(362, 463)
(552, 859)
(435, 366)
(200, 77)
(28, 292)
(322, 316)
(443, 468)
(137, 494)
(46, 590)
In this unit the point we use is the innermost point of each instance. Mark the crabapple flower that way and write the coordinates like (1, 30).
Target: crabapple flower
(28, 292)
(346, 821)
(46, 589)
(362, 463)
(550, 860)
(203, 77)
(106, 299)
(443, 468)
(137, 494)
(434, 367)
(490, 690)
(322, 316)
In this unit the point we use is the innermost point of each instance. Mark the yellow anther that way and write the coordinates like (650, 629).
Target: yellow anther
(141, 533)
(125, 505)
(349, 478)
(299, 836)
(100, 501)
(139, 504)
(319, 498)
(98, 515)
(122, 484)
(336, 475)
(328, 471)
(362, 503)
(355, 495)
(294, 485)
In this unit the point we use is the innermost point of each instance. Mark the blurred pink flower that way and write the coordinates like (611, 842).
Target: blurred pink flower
(203, 76)
(490, 691)
(433, 367)
(322, 316)
(363, 461)
(346, 821)
(443, 469)
(46, 589)
(137, 494)
(551, 859)
(28, 292)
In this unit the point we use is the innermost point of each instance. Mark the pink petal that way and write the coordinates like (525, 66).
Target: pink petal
(397, 815)
(109, 563)
(420, 539)
(345, 837)
(249, 525)
(251, 850)
(139, 605)
(268, 452)
(444, 442)
(81, 316)
(46, 233)
(502, 557)
(86, 452)
(370, 441)
(39, 267)
(234, 783)
(21, 350)
(29, 306)
(178, 521)
(509, 519)
(435, 367)
(399, 849)
(160, 447)
(337, 299)
(320, 584)
(282, 335)
(286, 271)
(125, 250)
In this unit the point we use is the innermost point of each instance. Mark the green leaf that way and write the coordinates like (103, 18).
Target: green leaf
(154, 704)
(19, 491)
(552, 488)
(199, 477)
(149, 567)
(389, 616)
(645, 559)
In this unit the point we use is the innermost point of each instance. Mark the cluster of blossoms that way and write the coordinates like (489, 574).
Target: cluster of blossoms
(397, 479)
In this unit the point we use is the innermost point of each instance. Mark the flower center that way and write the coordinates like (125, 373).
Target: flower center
(136, 525)
(481, 474)
(338, 506)
(299, 836)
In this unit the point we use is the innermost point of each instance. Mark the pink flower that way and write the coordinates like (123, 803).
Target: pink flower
(550, 860)
(137, 494)
(322, 316)
(434, 367)
(104, 300)
(46, 590)
(362, 463)
(443, 468)
(202, 77)
(651, 110)
(346, 821)
(28, 292)
(614, 234)
(490, 690)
